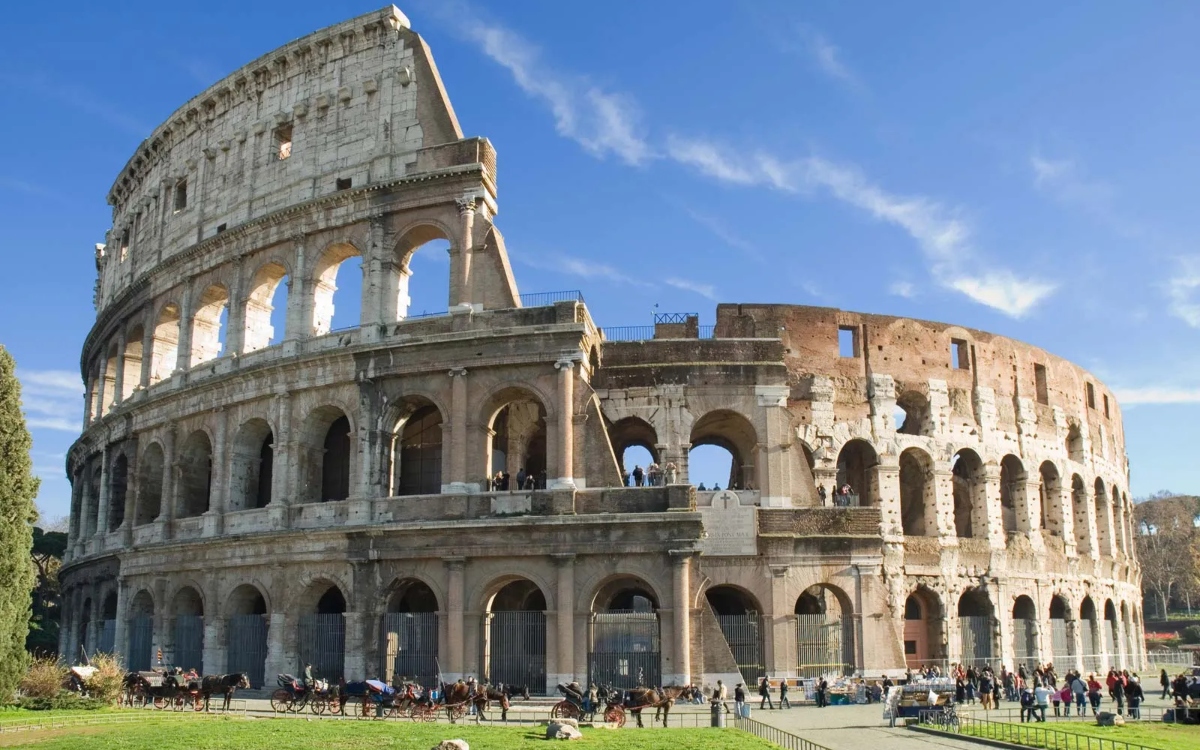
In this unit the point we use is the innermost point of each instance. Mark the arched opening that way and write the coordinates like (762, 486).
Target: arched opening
(739, 617)
(1120, 522)
(252, 465)
(1075, 443)
(108, 381)
(1104, 519)
(85, 625)
(923, 621)
(1025, 648)
(150, 485)
(1080, 502)
(93, 499)
(625, 647)
(131, 374)
(106, 643)
(140, 627)
(326, 458)
(976, 625)
(321, 640)
(164, 347)
(914, 416)
(970, 495)
(417, 450)
(420, 298)
(733, 433)
(187, 610)
(337, 293)
(409, 634)
(857, 482)
(918, 495)
(1090, 636)
(514, 644)
(1128, 643)
(824, 633)
(1110, 634)
(635, 442)
(118, 486)
(1062, 651)
(195, 475)
(1050, 490)
(268, 293)
(517, 440)
(1012, 491)
(208, 324)
(246, 633)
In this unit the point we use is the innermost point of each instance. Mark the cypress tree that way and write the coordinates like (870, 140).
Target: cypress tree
(18, 487)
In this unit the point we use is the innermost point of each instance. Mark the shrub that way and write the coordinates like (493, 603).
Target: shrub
(107, 684)
(64, 701)
(44, 678)
(1191, 634)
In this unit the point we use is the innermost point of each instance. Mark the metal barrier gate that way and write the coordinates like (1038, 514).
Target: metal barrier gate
(1025, 650)
(625, 649)
(975, 636)
(247, 647)
(744, 636)
(321, 642)
(140, 655)
(517, 649)
(1060, 644)
(1110, 642)
(1091, 645)
(107, 642)
(408, 646)
(189, 642)
(824, 646)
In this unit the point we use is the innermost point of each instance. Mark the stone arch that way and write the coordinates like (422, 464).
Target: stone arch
(187, 599)
(1062, 647)
(409, 632)
(325, 273)
(164, 346)
(1024, 632)
(918, 493)
(1079, 502)
(516, 418)
(1120, 521)
(118, 486)
(187, 611)
(195, 475)
(924, 621)
(411, 594)
(248, 599)
(252, 465)
(735, 433)
(1110, 634)
(856, 464)
(1104, 518)
(618, 591)
(416, 448)
(131, 359)
(1074, 443)
(1090, 634)
(321, 637)
(914, 407)
(1050, 490)
(1129, 644)
(141, 604)
(327, 457)
(629, 432)
(824, 631)
(258, 332)
(139, 629)
(208, 324)
(108, 380)
(740, 617)
(970, 494)
(514, 639)
(411, 238)
(150, 485)
(248, 611)
(977, 625)
(1012, 492)
(625, 642)
(482, 595)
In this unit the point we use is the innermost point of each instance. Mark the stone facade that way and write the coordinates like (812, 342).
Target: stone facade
(229, 472)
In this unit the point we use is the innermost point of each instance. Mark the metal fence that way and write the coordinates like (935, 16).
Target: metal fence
(744, 636)
(1110, 643)
(106, 643)
(408, 646)
(775, 735)
(1025, 650)
(189, 642)
(140, 655)
(625, 650)
(824, 646)
(247, 647)
(1060, 644)
(1091, 646)
(627, 333)
(1168, 658)
(1028, 734)
(540, 299)
(975, 637)
(321, 642)
(517, 649)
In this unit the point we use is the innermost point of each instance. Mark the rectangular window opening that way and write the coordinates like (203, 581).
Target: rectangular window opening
(344, 183)
(124, 244)
(180, 202)
(848, 341)
(222, 228)
(1091, 396)
(1043, 391)
(1106, 415)
(283, 141)
(960, 355)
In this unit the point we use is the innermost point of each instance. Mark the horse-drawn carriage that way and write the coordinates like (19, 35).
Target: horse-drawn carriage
(576, 704)
(378, 700)
(293, 695)
(173, 688)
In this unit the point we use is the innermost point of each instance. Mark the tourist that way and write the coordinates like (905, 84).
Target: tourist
(764, 692)
(1093, 686)
(1079, 689)
(960, 690)
(1165, 681)
(1134, 695)
(720, 695)
(985, 691)
(783, 691)
(1028, 701)
(701, 488)
(739, 700)
(822, 690)
(1058, 697)
(821, 494)
(1041, 696)
(521, 477)
(996, 690)
(887, 684)
(639, 476)
(1118, 694)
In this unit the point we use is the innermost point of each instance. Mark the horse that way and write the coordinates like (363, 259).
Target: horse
(223, 684)
(514, 691)
(460, 693)
(483, 701)
(660, 699)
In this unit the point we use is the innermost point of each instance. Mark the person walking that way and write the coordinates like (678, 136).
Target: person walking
(764, 692)
(1118, 695)
(1165, 681)
(521, 477)
(1134, 695)
(1041, 699)
(721, 696)
(1093, 693)
(985, 691)
(822, 690)
(639, 476)
(1028, 701)
(739, 700)
(783, 691)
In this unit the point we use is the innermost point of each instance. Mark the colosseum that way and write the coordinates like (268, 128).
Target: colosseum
(255, 497)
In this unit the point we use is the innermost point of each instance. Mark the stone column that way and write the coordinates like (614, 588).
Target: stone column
(681, 603)
(183, 360)
(235, 321)
(147, 350)
(277, 659)
(887, 479)
(454, 663)
(119, 380)
(564, 671)
(993, 516)
(566, 424)
(281, 462)
(98, 410)
(460, 286)
(102, 511)
(1067, 516)
(213, 654)
(120, 637)
(354, 662)
(943, 486)
(214, 517)
(93, 633)
(89, 396)
(166, 508)
(458, 433)
(73, 527)
(299, 304)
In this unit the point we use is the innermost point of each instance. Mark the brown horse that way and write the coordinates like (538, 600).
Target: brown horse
(459, 694)
(660, 699)
(223, 684)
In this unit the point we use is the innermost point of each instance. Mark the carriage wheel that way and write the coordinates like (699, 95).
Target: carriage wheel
(317, 705)
(425, 713)
(281, 701)
(615, 715)
(456, 712)
(159, 702)
(197, 702)
(393, 711)
(298, 703)
(564, 709)
(364, 709)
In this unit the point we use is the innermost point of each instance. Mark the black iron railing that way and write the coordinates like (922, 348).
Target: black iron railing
(775, 735)
(1034, 734)
(540, 299)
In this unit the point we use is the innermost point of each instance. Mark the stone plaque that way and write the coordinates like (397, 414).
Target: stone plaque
(730, 529)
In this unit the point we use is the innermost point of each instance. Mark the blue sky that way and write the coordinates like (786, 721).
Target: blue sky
(1024, 168)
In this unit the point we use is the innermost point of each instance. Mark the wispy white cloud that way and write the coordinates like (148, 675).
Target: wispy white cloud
(51, 399)
(1158, 395)
(1183, 291)
(721, 231)
(826, 56)
(581, 267)
(903, 289)
(77, 98)
(704, 290)
(602, 122)
(1064, 181)
(21, 186)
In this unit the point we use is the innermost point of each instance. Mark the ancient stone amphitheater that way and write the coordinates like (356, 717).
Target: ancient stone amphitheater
(250, 497)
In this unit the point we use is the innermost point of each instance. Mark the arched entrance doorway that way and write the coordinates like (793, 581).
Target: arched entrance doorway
(1061, 651)
(140, 654)
(106, 643)
(735, 435)
(970, 499)
(188, 630)
(1089, 635)
(824, 633)
(1110, 634)
(515, 636)
(517, 440)
(975, 628)
(738, 615)
(409, 634)
(856, 468)
(1025, 649)
(246, 634)
(321, 638)
(922, 631)
(625, 649)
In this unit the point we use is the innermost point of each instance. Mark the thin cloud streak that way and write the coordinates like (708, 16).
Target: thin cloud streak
(704, 290)
(78, 99)
(722, 232)
(51, 399)
(1157, 395)
(1183, 292)
(21, 186)
(903, 289)
(827, 57)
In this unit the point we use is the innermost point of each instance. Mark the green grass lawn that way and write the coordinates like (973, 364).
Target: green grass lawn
(203, 733)
(1150, 734)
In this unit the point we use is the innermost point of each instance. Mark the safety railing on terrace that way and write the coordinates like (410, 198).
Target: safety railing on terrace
(775, 735)
(1028, 734)
(540, 299)
(627, 333)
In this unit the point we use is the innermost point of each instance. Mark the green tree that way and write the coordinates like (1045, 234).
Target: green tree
(48, 550)
(18, 487)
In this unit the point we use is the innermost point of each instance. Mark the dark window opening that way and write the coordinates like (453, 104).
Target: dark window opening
(1091, 395)
(335, 470)
(124, 244)
(1106, 415)
(960, 357)
(1043, 391)
(344, 183)
(181, 196)
(283, 141)
(848, 341)
(222, 228)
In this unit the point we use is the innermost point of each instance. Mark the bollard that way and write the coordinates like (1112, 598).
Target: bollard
(718, 714)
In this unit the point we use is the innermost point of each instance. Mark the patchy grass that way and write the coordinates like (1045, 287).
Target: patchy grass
(228, 733)
(1149, 734)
